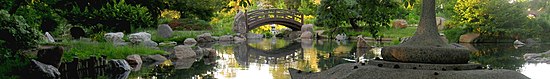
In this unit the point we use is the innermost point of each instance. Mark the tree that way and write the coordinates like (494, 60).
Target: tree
(492, 18)
(374, 14)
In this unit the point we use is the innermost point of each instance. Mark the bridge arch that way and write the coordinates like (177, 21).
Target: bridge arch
(249, 20)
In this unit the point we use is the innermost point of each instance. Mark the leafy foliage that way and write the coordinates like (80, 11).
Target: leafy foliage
(374, 14)
(117, 15)
(16, 33)
(491, 18)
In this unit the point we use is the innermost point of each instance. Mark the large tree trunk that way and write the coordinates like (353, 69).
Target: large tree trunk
(427, 34)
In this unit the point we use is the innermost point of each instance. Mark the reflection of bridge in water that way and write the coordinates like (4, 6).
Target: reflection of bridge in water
(244, 52)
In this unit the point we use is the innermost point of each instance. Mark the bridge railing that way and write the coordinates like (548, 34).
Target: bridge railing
(257, 15)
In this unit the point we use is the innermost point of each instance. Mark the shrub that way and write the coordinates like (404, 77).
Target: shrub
(190, 24)
(16, 33)
(116, 16)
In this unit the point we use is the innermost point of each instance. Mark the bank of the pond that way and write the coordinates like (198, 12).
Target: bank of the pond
(85, 49)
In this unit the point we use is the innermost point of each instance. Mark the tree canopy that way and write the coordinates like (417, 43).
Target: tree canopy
(374, 14)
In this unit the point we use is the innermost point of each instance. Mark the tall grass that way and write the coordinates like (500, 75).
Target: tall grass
(83, 49)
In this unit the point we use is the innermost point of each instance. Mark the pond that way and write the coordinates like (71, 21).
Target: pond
(271, 59)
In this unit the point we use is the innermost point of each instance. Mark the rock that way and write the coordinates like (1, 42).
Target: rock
(150, 43)
(211, 52)
(139, 38)
(155, 58)
(425, 54)
(206, 37)
(531, 41)
(239, 39)
(347, 71)
(119, 65)
(362, 43)
(182, 51)
(134, 59)
(341, 37)
(50, 55)
(190, 41)
(306, 35)
(49, 37)
(41, 70)
(307, 28)
(468, 38)
(77, 32)
(168, 44)
(184, 63)
(517, 42)
(252, 35)
(399, 23)
(306, 43)
(226, 38)
(114, 37)
(440, 23)
(164, 31)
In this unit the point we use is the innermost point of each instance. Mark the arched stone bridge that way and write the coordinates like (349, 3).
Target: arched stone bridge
(248, 20)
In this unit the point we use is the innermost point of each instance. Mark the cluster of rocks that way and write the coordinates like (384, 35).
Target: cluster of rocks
(537, 57)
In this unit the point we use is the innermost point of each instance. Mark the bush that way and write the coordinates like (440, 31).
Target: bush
(190, 24)
(453, 34)
(16, 33)
(116, 16)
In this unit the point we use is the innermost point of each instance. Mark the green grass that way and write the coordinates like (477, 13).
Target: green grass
(398, 33)
(82, 49)
(180, 36)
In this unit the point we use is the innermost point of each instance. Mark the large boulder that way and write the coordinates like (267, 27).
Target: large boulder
(164, 31)
(226, 38)
(206, 37)
(183, 51)
(190, 41)
(468, 38)
(134, 60)
(307, 28)
(306, 35)
(119, 65)
(41, 70)
(138, 38)
(400, 23)
(184, 63)
(50, 55)
(114, 37)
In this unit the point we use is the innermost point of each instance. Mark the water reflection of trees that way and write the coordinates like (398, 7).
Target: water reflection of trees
(499, 56)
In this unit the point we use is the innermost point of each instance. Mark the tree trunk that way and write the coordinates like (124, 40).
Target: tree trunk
(426, 34)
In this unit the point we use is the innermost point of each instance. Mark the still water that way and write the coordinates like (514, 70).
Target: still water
(271, 59)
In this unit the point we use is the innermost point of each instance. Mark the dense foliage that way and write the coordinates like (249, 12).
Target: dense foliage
(492, 18)
(374, 14)
(119, 16)
(16, 33)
